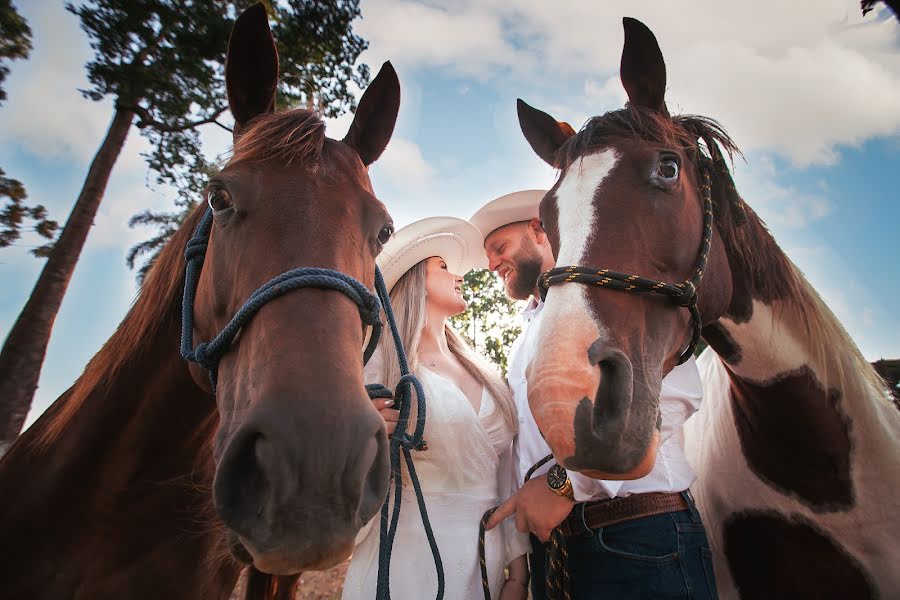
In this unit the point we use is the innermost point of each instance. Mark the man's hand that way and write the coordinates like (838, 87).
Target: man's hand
(538, 509)
(384, 406)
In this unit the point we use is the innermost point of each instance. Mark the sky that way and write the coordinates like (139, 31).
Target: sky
(810, 91)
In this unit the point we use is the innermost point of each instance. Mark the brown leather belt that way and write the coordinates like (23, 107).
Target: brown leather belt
(605, 513)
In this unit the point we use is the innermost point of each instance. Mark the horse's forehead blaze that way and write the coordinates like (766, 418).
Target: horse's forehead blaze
(575, 209)
(796, 437)
(772, 556)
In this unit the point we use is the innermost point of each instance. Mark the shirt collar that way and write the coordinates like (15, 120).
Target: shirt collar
(531, 309)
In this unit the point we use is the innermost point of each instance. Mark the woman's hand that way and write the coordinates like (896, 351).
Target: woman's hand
(513, 589)
(384, 406)
(516, 587)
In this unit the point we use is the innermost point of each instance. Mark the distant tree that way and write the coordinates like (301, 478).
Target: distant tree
(491, 323)
(889, 369)
(15, 43)
(15, 40)
(162, 63)
(14, 214)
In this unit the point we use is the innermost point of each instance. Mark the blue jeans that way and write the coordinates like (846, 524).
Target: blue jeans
(663, 556)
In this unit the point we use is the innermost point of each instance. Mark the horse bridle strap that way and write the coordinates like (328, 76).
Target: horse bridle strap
(208, 354)
(682, 294)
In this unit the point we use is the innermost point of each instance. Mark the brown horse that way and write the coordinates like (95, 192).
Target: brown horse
(109, 493)
(797, 445)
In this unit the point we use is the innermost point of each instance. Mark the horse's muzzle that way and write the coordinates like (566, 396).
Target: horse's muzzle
(296, 499)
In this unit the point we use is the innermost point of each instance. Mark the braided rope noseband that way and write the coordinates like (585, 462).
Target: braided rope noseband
(208, 354)
(682, 294)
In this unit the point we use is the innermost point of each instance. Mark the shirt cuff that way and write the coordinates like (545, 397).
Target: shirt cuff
(587, 488)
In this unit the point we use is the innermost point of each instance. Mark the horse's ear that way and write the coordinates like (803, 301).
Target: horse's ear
(642, 69)
(545, 134)
(251, 69)
(375, 116)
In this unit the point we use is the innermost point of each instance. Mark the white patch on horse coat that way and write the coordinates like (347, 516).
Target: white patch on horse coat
(567, 327)
(771, 343)
(767, 340)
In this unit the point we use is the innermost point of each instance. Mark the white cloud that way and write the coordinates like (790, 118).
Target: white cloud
(121, 202)
(464, 37)
(403, 166)
(796, 78)
(776, 203)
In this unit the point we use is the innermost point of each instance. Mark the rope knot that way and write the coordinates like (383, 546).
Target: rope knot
(205, 358)
(196, 248)
(372, 313)
(688, 296)
(376, 390)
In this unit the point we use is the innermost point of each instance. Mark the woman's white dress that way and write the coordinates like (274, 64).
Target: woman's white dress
(465, 471)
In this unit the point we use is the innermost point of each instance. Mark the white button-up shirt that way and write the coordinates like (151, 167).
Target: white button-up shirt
(679, 398)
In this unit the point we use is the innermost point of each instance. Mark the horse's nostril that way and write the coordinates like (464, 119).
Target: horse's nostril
(614, 394)
(377, 479)
(242, 485)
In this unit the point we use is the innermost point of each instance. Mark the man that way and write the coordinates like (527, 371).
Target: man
(637, 538)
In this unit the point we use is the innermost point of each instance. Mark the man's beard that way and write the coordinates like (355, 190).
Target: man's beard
(528, 269)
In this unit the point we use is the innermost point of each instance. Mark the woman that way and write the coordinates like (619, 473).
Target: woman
(470, 424)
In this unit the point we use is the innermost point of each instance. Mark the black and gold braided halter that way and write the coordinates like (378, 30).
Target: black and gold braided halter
(682, 294)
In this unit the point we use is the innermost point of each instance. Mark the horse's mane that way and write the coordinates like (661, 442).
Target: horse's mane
(286, 137)
(750, 245)
(158, 298)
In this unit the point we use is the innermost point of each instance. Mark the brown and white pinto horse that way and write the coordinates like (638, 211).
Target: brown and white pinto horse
(797, 446)
(109, 493)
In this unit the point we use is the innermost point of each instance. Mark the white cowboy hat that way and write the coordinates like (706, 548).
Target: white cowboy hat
(456, 241)
(511, 208)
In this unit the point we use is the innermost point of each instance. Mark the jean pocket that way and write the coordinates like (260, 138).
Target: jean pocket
(652, 539)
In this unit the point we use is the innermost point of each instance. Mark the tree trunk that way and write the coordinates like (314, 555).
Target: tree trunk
(23, 352)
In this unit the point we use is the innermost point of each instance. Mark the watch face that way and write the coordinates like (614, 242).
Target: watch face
(556, 477)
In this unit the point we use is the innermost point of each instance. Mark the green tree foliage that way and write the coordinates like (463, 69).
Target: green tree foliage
(15, 213)
(15, 40)
(491, 323)
(15, 43)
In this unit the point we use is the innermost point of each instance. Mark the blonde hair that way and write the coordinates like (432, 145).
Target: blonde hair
(408, 302)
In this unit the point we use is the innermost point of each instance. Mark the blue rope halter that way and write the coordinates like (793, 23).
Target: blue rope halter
(208, 355)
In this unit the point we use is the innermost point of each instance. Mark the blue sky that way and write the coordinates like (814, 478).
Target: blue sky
(813, 100)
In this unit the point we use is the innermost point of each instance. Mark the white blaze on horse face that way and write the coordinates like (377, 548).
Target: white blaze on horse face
(560, 375)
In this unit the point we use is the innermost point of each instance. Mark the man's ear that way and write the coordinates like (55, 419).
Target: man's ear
(537, 229)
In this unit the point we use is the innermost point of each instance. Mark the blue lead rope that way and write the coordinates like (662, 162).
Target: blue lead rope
(208, 355)
(402, 442)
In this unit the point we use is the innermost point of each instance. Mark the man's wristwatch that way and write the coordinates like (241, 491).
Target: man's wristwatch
(558, 481)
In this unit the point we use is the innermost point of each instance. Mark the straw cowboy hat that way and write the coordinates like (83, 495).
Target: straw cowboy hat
(457, 242)
(511, 208)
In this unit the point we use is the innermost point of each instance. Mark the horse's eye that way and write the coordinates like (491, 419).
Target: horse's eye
(668, 169)
(219, 199)
(385, 234)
